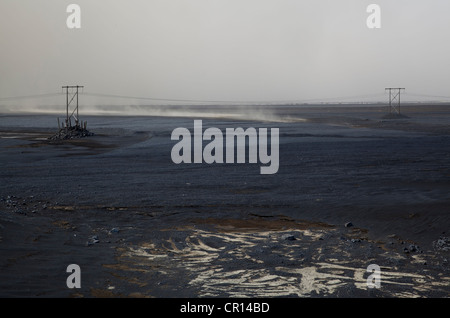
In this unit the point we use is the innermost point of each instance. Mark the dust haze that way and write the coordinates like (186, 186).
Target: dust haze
(238, 50)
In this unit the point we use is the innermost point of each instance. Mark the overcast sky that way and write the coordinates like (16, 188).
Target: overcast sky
(245, 50)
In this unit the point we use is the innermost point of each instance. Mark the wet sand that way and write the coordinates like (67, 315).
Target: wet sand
(140, 226)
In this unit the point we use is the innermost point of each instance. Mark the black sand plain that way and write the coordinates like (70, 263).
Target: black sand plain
(139, 225)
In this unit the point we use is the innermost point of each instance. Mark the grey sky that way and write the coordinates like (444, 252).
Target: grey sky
(225, 49)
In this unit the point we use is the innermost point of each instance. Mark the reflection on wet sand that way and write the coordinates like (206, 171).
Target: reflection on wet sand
(278, 258)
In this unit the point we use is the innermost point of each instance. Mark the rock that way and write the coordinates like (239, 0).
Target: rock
(411, 248)
(93, 240)
(288, 237)
(356, 240)
(114, 230)
(348, 224)
(443, 244)
(73, 132)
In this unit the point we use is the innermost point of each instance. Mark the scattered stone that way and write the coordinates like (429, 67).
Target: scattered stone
(288, 237)
(93, 240)
(348, 224)
(73, 132)
(411, 248)
(442, 244)
(260, 250)
(356, 240)
(114, 230)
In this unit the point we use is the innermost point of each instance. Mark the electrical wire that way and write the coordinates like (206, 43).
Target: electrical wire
(355, 98)
(29, 96)
(230, 101)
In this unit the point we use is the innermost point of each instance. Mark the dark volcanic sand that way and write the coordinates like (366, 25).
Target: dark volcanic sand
(199, 230)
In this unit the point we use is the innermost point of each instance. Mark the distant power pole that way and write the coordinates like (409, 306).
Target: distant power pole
(394, 99)
(73, 92)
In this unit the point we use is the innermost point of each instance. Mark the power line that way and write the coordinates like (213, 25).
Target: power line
(29, 96)
(158, 99)
(430, 96)
(318, 100)
(230, 101)
(340, 98)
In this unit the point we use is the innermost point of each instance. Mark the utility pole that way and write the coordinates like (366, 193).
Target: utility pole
(394, 95)
(73, 92)
(67, 131)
